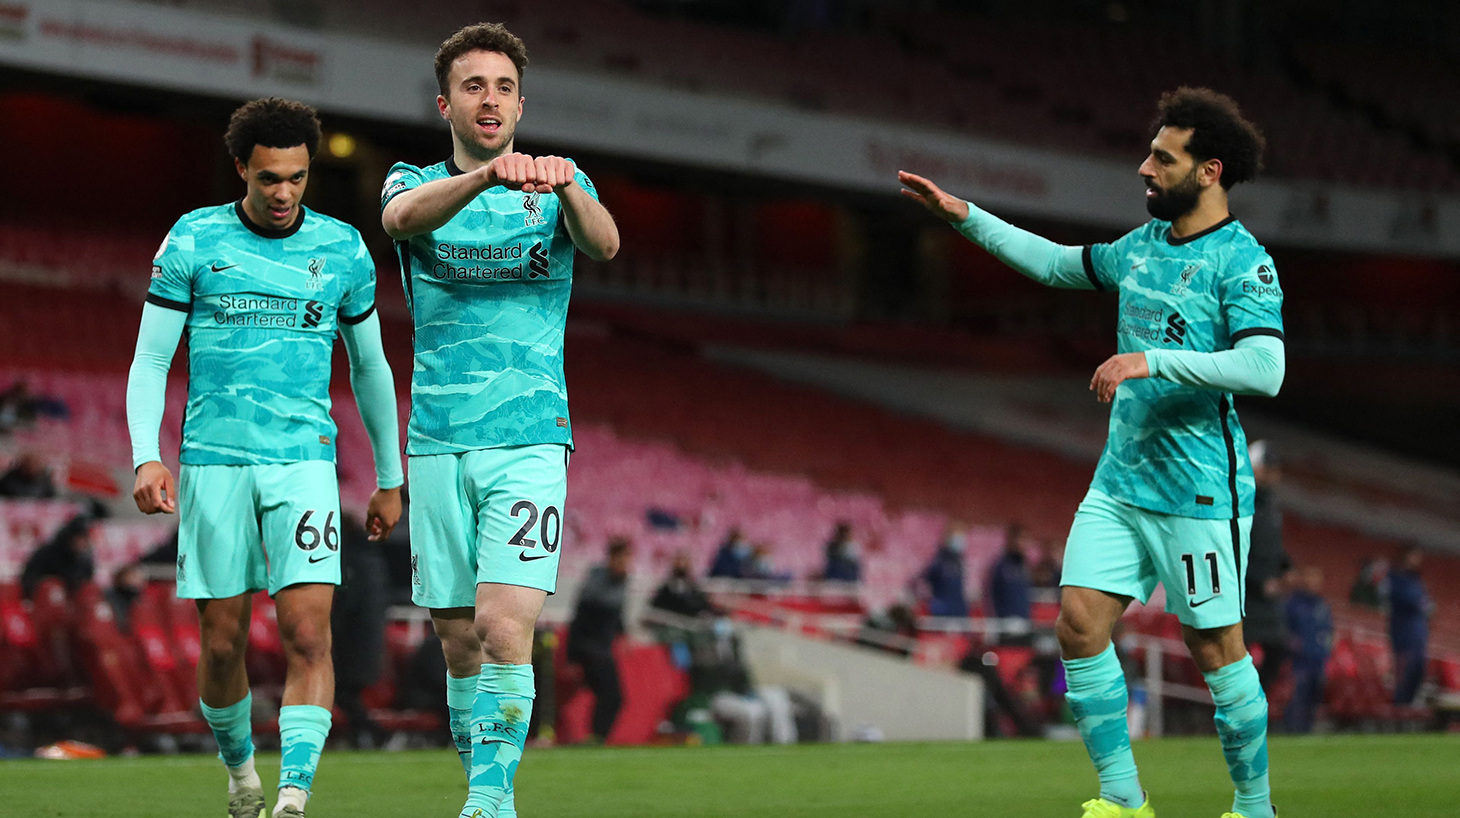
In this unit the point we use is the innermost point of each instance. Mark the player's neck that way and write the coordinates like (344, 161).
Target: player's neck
(1210, 210)
(468, 161)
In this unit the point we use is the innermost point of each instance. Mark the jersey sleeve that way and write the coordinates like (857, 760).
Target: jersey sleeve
(1251, 298)
(584, 182)
(1103, 261)
(359, 299)
(402, 177)
(172, 271)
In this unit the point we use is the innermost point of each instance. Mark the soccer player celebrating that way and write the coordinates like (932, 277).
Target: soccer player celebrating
(262, 286)
(1172, 498)
(486, 241)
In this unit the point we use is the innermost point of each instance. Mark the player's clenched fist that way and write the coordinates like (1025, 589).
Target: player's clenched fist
(515, 171)
(553, 171)
(154, 490)
(942, 204)
(1115, 370)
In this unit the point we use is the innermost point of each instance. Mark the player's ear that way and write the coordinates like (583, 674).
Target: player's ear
(1210, 172)
(520, 99)
(443, 106)
(241, 168)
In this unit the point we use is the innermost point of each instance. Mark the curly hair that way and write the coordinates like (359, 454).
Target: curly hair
(479, 37)
(273, 123)
(1218, 131)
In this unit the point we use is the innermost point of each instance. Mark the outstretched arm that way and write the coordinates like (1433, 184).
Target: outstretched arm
(374, 388)
(1254, 366)
(1055, 265)
(157, 339)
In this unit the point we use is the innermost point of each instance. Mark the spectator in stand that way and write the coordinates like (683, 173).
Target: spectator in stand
(1410, 608)
(733, 558)
(28, 479)
(17, 408)
(128, 583)
(680, 594)
(753, 713)
(67, 556)
(1009, 584)
(842, 563)
(1267, 562)
(760, 567)
(1371, 584)
(943, 578)
(882, 630)
(597, 621)
(1310, 621)
(1047, 569)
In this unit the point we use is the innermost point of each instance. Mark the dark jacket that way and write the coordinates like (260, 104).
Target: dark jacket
(58, 558)
(682, 596)
(731, 561)
(1409, 610)
(840, 564)
(599, 617)
(1009, 587)
(1310, 621)
(944, 576)
(1265, 621)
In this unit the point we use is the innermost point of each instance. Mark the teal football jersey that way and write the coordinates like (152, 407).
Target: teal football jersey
(488, 293)
(1171, 448)
(263, 308)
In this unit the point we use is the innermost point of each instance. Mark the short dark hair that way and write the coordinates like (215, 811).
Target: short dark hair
(480, 37)
(1219, 131)
(273, 123)
(618, 545)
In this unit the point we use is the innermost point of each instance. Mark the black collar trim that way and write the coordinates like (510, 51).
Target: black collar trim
(1175, 242)
(451, 167)
(266, 232)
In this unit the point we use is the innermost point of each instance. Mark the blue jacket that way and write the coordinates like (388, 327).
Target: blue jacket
(944, 576)
(1310, 621)
(1009, 587)
(1409, 610)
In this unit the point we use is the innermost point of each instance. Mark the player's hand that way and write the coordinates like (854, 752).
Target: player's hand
(514, 171)
(383, 513)
(1115, 370)
(940, 203)
(154, 490)
(553, 171)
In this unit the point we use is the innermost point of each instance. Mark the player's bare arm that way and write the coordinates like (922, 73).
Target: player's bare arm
(1116, 370)
(425, 208)
(939, 202)
(590, 225)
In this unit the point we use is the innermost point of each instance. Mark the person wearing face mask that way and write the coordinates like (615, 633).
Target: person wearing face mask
(942, 579)
(732, 561)
(680, 594)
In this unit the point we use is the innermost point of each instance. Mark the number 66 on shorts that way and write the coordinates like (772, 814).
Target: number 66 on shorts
(486, 515)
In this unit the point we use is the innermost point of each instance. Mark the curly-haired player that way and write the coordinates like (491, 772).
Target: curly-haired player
(262, 286)
(1172, 498)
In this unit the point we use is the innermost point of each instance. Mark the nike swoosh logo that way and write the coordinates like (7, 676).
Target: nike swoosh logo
(327, 556)
(1201, 603)
(523, 556)
(215, 268)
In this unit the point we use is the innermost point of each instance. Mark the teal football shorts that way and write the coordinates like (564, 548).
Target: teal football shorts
(1124, 550)
(486, 515)
(254, 528)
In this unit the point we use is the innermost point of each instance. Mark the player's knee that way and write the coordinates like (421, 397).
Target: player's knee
(1077, 632)
(504, 639)
(223, 647)
(307, 641)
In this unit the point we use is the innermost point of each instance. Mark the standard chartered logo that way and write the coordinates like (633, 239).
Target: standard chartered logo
(490, 262)
(267, 311)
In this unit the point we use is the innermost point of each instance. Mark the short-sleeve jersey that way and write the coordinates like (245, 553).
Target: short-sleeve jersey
(1171, 448)
(488, 293)
(263, 307)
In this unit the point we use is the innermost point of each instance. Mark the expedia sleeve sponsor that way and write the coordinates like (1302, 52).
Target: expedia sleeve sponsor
(172, 268)
(1252, 298)
(402, 177)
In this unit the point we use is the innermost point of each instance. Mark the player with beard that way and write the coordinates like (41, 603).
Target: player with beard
(486, 242)
(1172, 497)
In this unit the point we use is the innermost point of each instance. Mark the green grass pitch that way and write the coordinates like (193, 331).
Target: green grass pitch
(1410, 776)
